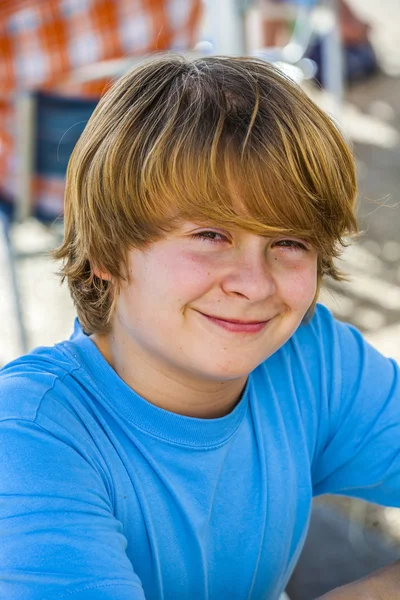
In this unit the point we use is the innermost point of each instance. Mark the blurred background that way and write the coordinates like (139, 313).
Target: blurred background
(57, 57)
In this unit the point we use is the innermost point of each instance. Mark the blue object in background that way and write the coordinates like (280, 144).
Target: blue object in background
(59, 124)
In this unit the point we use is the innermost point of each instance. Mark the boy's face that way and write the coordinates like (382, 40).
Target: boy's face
(209, 303)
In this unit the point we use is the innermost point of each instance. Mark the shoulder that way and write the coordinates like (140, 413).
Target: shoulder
(321, 327)
(315, 340)
(339, 361)
(339, 343)
(47, 414)
(305, 363)
(324, 353)
(26, 381)
(324, 336)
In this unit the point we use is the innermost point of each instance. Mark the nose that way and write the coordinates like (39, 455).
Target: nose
(250, 276)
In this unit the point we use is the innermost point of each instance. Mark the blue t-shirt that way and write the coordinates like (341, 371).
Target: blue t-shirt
(104, 496)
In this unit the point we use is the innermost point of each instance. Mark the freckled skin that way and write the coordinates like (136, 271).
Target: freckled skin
(159, 316)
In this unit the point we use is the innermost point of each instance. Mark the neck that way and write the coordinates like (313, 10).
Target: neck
(167, 389)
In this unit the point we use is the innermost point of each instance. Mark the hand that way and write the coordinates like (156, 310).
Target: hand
(353, 591)
(380, 585)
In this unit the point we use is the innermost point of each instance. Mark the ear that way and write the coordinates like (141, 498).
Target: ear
(102, 274)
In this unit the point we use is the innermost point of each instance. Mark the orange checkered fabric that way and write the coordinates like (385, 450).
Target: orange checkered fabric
(43, 41)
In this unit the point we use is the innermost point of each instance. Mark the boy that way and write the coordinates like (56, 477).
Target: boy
(172, 446)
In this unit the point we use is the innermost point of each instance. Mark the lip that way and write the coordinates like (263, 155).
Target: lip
(237, 326)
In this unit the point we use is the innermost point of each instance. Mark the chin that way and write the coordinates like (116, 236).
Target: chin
(228, 371)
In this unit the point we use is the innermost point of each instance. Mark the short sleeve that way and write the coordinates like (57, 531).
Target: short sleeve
(59, 537)
(359, 445)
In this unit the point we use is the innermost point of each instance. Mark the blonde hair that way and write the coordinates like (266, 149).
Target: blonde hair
(225, 140)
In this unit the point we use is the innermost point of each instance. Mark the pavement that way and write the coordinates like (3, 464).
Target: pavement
(371, 299)
(336, 552)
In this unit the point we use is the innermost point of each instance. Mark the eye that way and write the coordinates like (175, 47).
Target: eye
(291, 245)
(209, 236)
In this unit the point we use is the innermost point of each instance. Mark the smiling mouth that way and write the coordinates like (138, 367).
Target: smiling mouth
(235, 325)
(234, 320)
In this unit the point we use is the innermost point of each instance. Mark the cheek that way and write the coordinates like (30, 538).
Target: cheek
(299, 285)
(184, 276)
